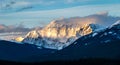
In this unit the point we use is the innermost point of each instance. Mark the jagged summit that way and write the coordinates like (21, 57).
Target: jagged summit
(65, 28)
(56, 30)
(33, 34)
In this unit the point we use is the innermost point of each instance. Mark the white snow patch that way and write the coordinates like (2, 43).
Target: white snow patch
(75, 43)
(94, 34)
(39, 47)
(114, 33)
(86, 44)
(107, 41)
(116, 23)
(110, 32)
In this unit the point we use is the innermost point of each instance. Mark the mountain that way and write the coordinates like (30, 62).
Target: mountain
(58, 35)
(19, 39)
(101, 44)
(116, 24)
(110, 34)
(104, 44)
(62, 32)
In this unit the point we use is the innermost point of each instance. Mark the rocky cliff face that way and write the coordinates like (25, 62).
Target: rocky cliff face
(59, 33)
(66, 30)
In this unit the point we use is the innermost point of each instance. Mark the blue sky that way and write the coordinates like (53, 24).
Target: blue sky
(40, 12)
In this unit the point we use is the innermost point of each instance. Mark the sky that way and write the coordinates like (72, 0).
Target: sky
(34, 13)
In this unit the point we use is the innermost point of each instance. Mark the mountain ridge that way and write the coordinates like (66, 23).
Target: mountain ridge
(60, 35)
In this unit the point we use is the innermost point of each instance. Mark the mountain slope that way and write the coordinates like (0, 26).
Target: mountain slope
(107, 35)
(12, 51)
(102, 44)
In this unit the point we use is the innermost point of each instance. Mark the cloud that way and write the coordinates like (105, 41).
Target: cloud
(70, 1)
(105, 13)
(8, 6)
(14, 5)
(33, 18)
(20, 4)
(24, 8)
(101, 18)
(42, 2)
(13, 28)
(74, 1)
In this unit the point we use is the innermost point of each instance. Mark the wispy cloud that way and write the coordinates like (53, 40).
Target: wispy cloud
(8, 6)
(101, 18)
(74, 1)
(34, 18)
(20, 4)
(13, 28)
(42, 2)
(23, 5)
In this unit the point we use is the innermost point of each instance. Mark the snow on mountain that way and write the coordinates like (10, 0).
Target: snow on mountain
(67, 29)
(116, 24)
(19, 39)
(59, 34)
(107, 35)
(33, 34)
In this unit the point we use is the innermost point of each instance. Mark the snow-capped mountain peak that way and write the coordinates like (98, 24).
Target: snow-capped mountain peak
(59, 34)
